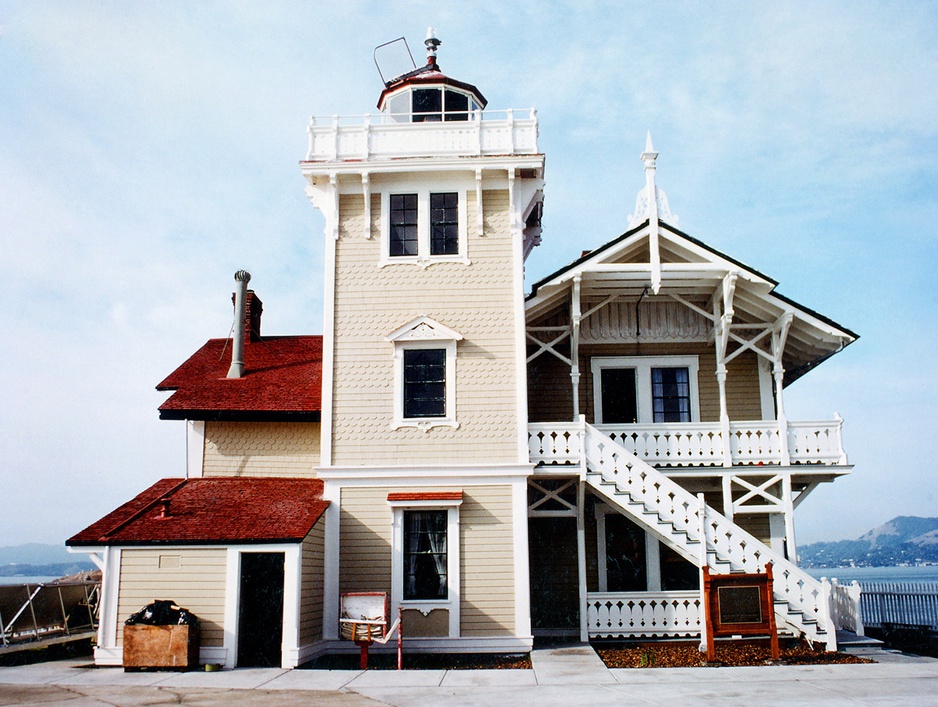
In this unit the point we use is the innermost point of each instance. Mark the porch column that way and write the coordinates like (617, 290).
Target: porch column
(575, 316)
(724, 413)
(581, 557)
(789, 519)
(779, 374)
(779, 337)
(728, 495)
(722, 320)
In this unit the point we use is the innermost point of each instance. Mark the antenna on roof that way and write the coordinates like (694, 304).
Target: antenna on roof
(394, 57)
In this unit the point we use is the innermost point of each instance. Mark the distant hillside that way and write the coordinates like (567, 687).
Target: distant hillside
(903, 540)
(35, 559)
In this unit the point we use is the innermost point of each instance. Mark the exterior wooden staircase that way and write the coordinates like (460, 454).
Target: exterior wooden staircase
(701, 534)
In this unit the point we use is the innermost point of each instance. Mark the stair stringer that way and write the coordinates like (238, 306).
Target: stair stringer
(676, 516)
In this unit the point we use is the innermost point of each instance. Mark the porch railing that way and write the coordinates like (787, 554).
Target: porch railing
(366, 137)
(845, 606)
(697, 443)
(620, 615)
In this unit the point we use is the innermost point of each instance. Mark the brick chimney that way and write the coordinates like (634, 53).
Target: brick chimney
(252, 317)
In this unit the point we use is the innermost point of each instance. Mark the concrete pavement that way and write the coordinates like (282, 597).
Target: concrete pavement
(565, 675)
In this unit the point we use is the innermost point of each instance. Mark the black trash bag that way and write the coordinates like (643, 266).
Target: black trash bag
(162, 612)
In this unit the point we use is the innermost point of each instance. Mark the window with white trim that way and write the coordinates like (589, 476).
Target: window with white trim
(424, 374)
(425, 558)
(645, 389)
(425, 553)
(423, 227)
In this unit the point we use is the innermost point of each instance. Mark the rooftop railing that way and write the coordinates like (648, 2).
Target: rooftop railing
(390, 136)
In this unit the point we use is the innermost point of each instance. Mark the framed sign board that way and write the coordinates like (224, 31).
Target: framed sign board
(739, 605)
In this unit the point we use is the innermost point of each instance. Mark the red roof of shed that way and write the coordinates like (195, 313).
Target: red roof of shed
(210, 512)
(282, 381)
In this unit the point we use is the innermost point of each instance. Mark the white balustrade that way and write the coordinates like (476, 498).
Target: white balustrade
(699, 444)
(381, 137)
(634, 614)
(845, 606)
(677, 517)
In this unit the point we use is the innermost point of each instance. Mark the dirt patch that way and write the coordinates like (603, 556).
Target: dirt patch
(687, 655)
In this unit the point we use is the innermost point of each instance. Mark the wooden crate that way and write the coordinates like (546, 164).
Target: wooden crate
(172, 647)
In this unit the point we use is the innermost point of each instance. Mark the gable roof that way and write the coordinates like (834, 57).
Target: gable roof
(211, 511)
(692, 270)
(598, 252)
(282, 382)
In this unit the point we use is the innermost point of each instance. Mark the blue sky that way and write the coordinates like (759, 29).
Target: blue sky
(149, 150)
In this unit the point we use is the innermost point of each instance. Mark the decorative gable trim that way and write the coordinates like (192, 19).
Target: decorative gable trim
(423, 328)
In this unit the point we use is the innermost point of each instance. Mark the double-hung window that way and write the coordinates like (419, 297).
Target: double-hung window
(444, 224)
(403, 236)
(425, 552)
(425, 558)
(423, 227)
(424, 374)
(424, 383)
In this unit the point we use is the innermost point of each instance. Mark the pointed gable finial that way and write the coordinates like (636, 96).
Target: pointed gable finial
(651, 202)
(649, 155)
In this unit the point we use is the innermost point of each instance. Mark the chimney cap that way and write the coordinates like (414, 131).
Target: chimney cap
(242, 276)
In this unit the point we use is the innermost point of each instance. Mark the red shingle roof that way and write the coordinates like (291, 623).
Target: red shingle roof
(282, 381)
(211, 511)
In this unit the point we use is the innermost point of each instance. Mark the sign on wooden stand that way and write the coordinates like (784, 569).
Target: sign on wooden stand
(739, 605)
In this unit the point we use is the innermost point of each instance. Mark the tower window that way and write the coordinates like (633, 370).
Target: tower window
(403, 236)
(444, 224)
(424, 383)
(423, 227)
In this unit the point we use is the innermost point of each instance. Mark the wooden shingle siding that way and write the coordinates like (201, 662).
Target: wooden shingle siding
(476, 300)
(487, 606)
(365, 532)
(197, 583)
(261, 449)
(311, 584)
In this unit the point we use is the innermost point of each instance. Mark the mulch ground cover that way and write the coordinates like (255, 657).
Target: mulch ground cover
(424, 661)
(687, 655)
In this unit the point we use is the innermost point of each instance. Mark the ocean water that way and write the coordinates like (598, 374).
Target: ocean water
(25, 580)
(846, 575)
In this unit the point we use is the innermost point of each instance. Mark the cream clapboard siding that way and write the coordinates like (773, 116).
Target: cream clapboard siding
(197, 583)
(476, 300)
(550, 391)
(485, 545)
(288, 449)
(487, 562)
(365, 532)
(311, 584)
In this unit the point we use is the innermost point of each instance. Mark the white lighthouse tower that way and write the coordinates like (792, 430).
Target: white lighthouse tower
(431, 207)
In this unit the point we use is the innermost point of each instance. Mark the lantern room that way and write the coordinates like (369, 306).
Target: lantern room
(426, 95)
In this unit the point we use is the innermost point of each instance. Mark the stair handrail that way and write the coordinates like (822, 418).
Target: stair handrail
(717, 525)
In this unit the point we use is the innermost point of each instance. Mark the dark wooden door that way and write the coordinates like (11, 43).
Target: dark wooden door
(555, 602)
(260, 610)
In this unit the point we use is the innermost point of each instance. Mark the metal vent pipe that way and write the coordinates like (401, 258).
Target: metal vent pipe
(242, 277)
